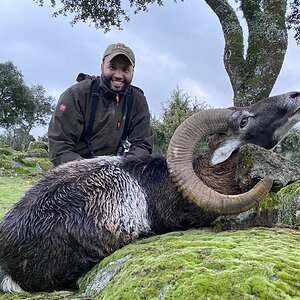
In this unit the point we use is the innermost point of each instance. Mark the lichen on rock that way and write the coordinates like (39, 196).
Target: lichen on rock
(289, 210)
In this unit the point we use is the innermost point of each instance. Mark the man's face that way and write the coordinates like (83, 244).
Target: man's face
(118, 72)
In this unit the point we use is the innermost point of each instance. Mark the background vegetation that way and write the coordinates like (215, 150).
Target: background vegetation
(11, 190)
(21, 107)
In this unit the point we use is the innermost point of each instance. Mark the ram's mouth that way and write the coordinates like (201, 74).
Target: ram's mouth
(295, 118)
(296, 101)
(281, 132)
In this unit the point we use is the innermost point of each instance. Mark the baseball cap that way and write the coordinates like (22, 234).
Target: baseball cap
(117, 49)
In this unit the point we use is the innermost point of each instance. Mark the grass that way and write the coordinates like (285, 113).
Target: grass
(11, 190)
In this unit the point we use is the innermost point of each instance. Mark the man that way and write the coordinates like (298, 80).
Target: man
(79, 128)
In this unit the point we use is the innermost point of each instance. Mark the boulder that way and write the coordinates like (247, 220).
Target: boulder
(255, 163)
(199, 264)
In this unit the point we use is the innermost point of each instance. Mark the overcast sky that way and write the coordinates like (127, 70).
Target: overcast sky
(179, 44)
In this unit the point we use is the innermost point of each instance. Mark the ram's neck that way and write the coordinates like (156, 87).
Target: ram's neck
(220, 177)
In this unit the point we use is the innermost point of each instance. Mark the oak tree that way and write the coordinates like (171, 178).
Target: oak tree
(252, 71)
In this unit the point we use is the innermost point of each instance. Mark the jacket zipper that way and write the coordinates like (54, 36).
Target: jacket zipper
(119, 122)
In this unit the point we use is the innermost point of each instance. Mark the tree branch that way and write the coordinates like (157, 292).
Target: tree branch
(267, 44)
(233, 56)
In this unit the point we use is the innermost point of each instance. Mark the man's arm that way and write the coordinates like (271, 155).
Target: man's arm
(65, 129)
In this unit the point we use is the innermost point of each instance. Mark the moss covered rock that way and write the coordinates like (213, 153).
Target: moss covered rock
(286, 203)
(255, 163)
(200, 264)
(37, 153)
(33, 162)
(289, 208)
(38, 145)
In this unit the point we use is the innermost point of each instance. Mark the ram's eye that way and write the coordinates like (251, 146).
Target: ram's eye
(244, 122)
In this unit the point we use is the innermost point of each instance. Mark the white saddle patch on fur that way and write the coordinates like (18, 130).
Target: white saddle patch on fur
(8, 285)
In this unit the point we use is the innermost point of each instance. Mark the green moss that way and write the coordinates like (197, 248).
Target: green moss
(21, 164)
(36, 164)
(198, 264)
(37, 153)
(291, 188)
(270, 202)
(22, 170)
(4, 164)
(33, 162)
(18, 156)
(38, 145)
(245, 157)
(5, 151)
(44, 164)
(289, 211)
(29, 161)
(201, 264)
(286, 202)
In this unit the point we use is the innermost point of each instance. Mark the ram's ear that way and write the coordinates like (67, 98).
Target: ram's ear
(224, 151)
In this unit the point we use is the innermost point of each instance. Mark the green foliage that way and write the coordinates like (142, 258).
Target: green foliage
(38, 110)
(36, 145)
(6, 151)
(178, 108)
(16, 139)
(102, 14)
(21, 107)
(108, 14)
(67, 295)
(13, 91)
(290, 145)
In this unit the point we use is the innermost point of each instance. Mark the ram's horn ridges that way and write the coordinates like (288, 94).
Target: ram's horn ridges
(180, 164)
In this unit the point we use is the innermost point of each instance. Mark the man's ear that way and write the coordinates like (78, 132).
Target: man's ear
(101, 67)
(224, 151)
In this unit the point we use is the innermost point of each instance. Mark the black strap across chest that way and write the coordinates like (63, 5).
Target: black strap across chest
(95, 97)
(128, 102)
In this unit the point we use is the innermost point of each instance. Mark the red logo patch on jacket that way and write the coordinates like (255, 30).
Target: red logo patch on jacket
(62, 107)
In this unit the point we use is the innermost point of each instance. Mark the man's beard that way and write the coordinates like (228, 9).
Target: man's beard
(108, 83)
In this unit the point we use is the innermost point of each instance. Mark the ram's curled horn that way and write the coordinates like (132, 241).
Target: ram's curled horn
(180, 164)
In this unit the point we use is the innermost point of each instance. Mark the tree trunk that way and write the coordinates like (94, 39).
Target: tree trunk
(254, 73)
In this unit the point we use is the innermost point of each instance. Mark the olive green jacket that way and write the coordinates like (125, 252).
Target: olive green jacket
(69, 121)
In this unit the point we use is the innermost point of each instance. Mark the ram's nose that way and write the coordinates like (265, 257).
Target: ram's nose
(294, 102)
(295, 95)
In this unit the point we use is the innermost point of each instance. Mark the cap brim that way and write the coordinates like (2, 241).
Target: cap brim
(111, 56)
